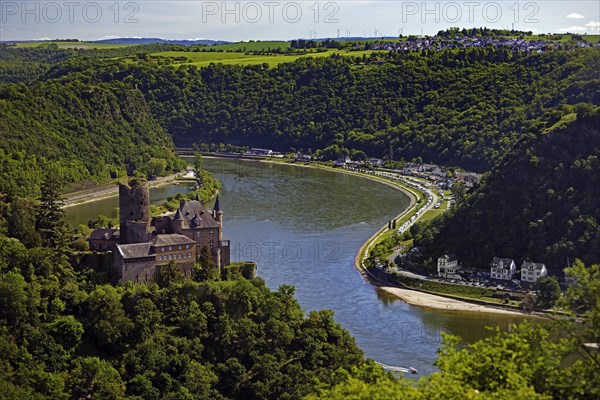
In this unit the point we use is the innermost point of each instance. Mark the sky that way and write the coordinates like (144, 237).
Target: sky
(282, 19)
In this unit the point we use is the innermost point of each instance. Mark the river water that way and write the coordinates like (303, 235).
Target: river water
(304, 226)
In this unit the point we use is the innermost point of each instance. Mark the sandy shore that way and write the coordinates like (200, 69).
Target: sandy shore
(427, 300)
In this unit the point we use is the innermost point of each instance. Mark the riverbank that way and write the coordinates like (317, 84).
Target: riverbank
(427, 300)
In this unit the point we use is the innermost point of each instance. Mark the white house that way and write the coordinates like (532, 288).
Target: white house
(447, 267)
(502, 268)
(531, 272)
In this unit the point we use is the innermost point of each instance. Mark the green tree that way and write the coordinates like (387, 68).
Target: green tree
(95, 378)
(21, 222)
(50, 217)
(156, 166)
(106, 321)
(205, 269)
(200, 381)
(198, 162)
(168, 274)
(548, 291)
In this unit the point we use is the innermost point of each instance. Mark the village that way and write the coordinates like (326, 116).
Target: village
(513, 44)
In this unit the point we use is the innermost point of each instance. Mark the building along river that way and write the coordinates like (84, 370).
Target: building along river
(304, 226)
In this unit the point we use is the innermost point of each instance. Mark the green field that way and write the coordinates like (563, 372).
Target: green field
(202, 59)
(74, 45)
(252, 46)
(564, 38)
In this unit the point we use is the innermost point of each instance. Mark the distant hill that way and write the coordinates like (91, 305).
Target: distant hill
(539, 203)
(160, 41)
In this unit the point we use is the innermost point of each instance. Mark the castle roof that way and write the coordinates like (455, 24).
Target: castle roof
(217, 206)
(135, 250)
(105, 234)
(178, 215)
(196, 216)
(170, 240)
(146, 249)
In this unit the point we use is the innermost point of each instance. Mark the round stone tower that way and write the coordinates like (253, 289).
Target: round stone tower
(134, 211)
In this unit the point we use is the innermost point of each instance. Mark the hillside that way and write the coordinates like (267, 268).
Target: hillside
(540, 203)
(458, 107)
(446, 107)
(89, 132)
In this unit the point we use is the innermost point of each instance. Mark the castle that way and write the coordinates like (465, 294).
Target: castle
(143, 244)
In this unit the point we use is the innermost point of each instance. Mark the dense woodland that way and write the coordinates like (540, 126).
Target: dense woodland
(464, 107)
(90, 132)
(540, 203)
(460, 107)
(70, 117)
(67, 333)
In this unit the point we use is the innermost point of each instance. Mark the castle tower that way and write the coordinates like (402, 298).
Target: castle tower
(177, 223)
(217, 213)
(134, 212)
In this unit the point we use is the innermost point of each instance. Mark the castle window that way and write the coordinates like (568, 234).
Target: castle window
(162, 249)
(179, 247)
(170, 248)
(197, 233)
(170, 257)
(211, 244)
(189, 254)
(210, 232)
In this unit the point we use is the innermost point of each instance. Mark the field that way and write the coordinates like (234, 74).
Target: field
(202, 59)
(74, 45)
(252, 46)
(565, 38)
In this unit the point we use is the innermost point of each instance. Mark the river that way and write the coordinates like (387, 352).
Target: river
(304, 226)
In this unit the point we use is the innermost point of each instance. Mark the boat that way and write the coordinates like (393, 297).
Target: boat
(413, 370)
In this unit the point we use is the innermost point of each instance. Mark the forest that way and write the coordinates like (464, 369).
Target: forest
(461, 107)
(77, 117)
(540, 203)
(66, 332)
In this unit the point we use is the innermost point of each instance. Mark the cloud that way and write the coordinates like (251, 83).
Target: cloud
(45, 39)
(593, 25)
(575, 16)
(573, 29)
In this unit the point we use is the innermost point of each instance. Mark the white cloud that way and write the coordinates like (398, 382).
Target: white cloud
(575, 16)
(593, 25)
(43, 39)
(573, 29)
